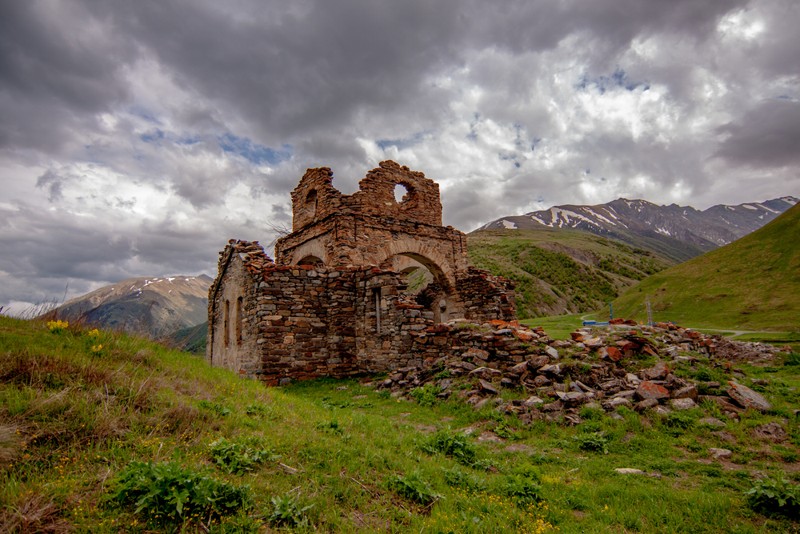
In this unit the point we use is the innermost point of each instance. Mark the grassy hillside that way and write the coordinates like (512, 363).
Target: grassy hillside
(751, 284)
(561, 271)
(191, 339)
(105, 433)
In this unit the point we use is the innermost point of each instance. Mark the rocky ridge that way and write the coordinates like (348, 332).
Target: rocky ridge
(625, 365)
(679, 232)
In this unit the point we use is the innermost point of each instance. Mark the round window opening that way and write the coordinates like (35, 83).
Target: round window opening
(401, 193)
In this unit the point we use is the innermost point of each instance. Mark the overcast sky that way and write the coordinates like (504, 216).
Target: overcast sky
(137, 137)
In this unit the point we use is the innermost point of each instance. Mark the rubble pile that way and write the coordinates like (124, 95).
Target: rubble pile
(624, 364)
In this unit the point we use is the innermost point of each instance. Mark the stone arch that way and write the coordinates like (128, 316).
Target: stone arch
(437, 272)
(311, 260)
(428, 253)
(310, 253)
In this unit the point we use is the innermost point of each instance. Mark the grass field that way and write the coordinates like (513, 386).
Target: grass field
(105, 433)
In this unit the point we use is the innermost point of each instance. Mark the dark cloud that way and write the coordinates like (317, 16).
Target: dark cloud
(53, 183)
(768, 135)
(59, 67)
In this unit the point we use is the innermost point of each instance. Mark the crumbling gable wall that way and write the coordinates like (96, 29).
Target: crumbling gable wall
(370, 227)
(232, 321)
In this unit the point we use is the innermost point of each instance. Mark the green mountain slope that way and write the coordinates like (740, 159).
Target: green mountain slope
(191, 339)
(753, 283)
(558, 271)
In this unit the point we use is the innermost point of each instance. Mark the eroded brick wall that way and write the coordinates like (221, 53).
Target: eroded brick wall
(369, 226)
(316, 322)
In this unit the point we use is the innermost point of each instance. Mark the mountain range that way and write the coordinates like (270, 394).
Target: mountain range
(677, 232)
(154, 307)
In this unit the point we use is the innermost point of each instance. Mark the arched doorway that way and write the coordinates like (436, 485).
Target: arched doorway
(425, 282)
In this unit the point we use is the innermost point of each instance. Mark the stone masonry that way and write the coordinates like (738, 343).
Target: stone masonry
(334, 303)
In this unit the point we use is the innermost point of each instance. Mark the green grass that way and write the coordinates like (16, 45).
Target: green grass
(751, 284)
(556, 326)
(87, 436)
(561, 271)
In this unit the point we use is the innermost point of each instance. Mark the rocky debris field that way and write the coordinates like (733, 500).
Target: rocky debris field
(663, 368)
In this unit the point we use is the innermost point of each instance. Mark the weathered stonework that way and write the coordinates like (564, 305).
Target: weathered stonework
(333, 302)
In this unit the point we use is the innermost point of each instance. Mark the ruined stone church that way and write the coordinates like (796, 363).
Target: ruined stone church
(336, 300)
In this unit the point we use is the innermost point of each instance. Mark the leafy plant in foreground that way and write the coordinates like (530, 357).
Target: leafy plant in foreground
(425, 395)
(215, 407)
(593, 442)
(454, 445)
(775, 497)
(457, 478)
(792, 358)
(287, 512)
(168, 494)
(236, 458)
(414, 488)
(522, 489)
(677, 423)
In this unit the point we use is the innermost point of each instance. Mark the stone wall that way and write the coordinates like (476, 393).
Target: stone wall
(486, 297)
(298, 322)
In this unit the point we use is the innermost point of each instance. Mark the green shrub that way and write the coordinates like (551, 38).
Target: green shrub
(775, 497)
(589, 413)
(506, 431)
(168, 494)
(444, 373)
(414, 488)
(456, 478)
(793, 358)
(425, 395)
(257, 410)
(454, 445)
(236, 458)
(215, 407)
(522, 489)
(678, 422)
(707, 374)
(331, 427)
(287, 512)
(592, 442)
